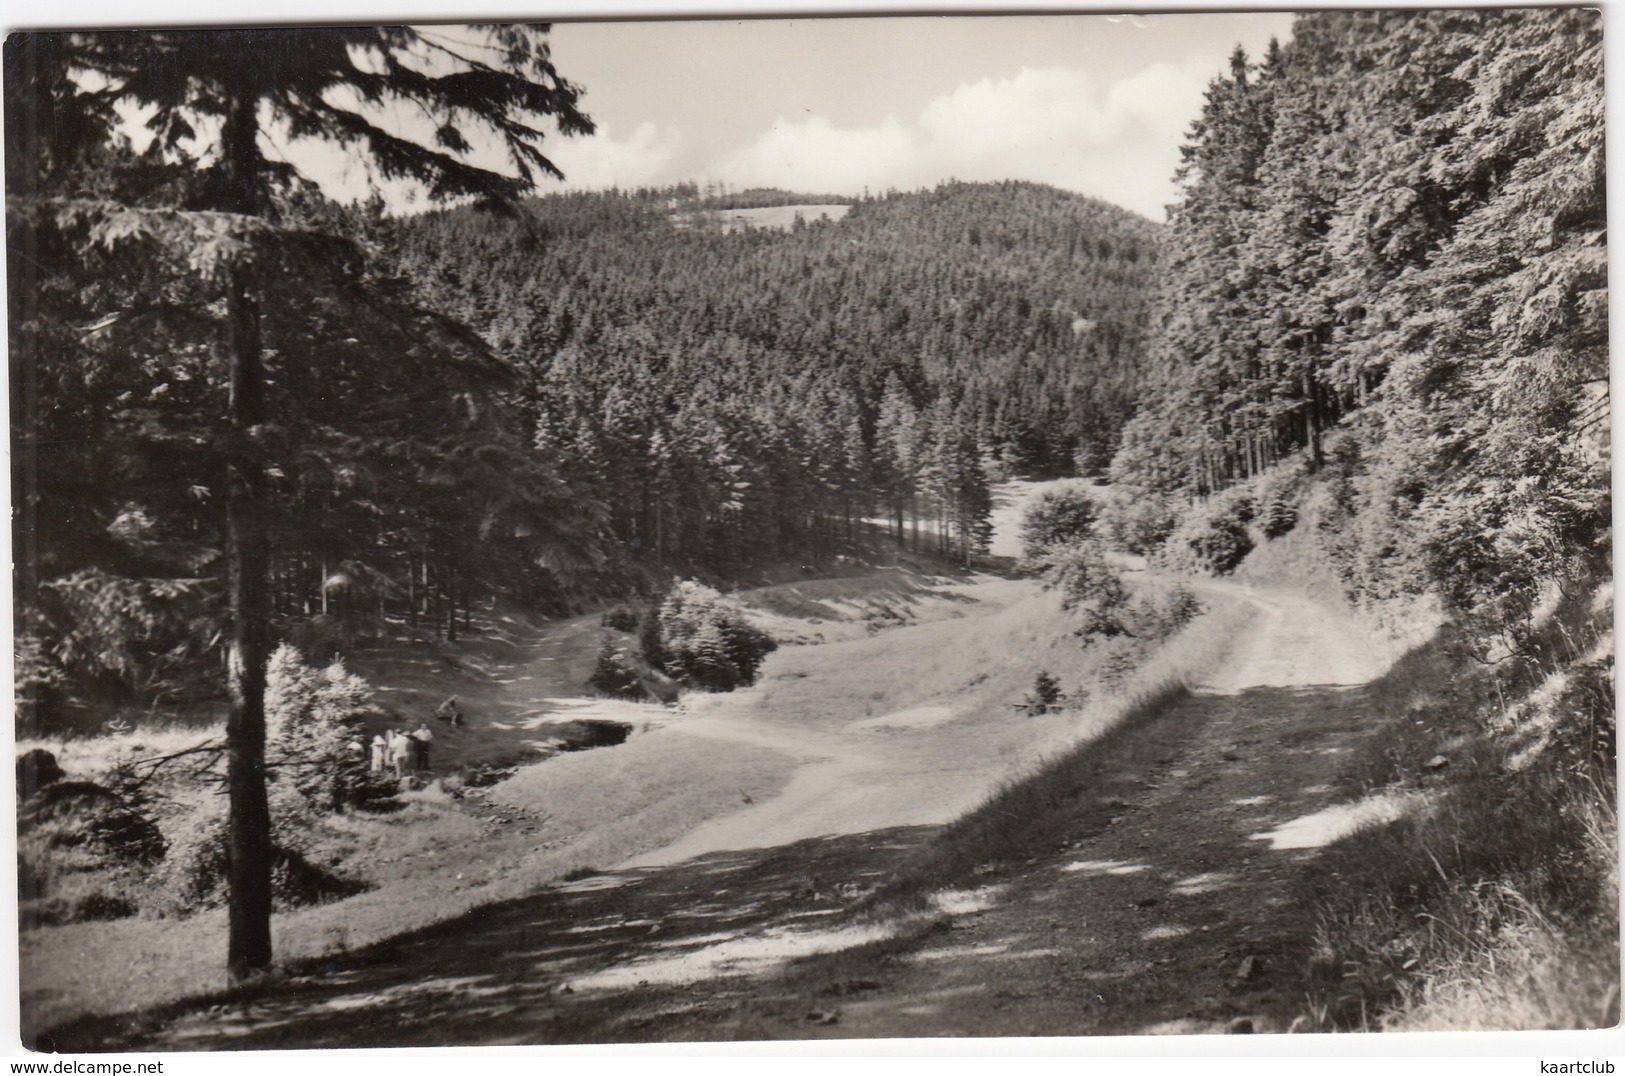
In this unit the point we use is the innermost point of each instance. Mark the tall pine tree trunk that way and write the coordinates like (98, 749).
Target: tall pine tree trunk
(248, 885)
(1311, 421)
(450, 587)
(248, 949)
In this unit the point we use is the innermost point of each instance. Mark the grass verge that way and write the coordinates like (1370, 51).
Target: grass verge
(1054, 801)
(1497, 905)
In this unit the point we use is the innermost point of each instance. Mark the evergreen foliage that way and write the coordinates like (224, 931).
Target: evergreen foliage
(1136, 520)
(1090, 588)
(193, 876)
(313, 729)
(735, 393)
(1212, 537)
(195, 241)
(1058, 516)
(397, 482)
(1159, 614)
(613, 675)
(1045, 696)
(705, 640)
(1390, 248)
(1384, 311)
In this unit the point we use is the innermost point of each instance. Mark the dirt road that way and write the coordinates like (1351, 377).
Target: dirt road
(1177, 903)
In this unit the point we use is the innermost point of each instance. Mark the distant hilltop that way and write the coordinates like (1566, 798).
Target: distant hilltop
(779, 217)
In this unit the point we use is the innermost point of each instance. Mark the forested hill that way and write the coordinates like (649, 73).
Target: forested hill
(1390, 263)
(643, 394)
(734, 391)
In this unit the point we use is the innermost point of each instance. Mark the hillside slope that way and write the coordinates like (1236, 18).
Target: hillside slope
(1019, 307)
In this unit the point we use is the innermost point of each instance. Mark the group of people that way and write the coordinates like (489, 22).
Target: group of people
(401, 751)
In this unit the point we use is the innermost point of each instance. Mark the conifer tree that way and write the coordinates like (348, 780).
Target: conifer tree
(250, 85)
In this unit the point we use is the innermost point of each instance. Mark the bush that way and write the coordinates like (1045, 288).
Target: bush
(622, 617)
(1060, 515)
(193, 876)
(1136, 521)
(1213, 538)
(1241, 504)
(103, 821)
(93, 907)
(54, 892)
(614, 675)
(83, 851)
(315, 739)
(1157, 616)
(649, 641)
(1118, 660)
(1045, 696)
(705, 640)
(1278, 509)
(1222, 545)
(1089, 587)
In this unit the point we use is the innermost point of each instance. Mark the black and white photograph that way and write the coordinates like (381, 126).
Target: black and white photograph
(1060, 525)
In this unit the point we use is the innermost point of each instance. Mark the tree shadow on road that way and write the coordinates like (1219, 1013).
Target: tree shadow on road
(1132, 900)
(608, 957)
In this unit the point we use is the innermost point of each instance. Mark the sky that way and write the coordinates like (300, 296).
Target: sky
(1096, 104)
(1093, 103)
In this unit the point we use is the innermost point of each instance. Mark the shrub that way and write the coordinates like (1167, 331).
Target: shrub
(1089, 587)
(105, 822)
(1222, 545)
(705, 640)
(1045, 696)
(1060, 515)
(1156, 616)
(93, 907)
(83, 850)
(1277, 508)
(314, 726)
(614, 675)
(1119, 659)
(1136, 521)
(193, 876)
(1241, 504)
(622, 617)
(50, 895)
(1213, 538)
(649, 641)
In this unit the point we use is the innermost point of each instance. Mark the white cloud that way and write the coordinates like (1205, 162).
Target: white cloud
(601, 161)
(814, 155)
(1057, 125)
